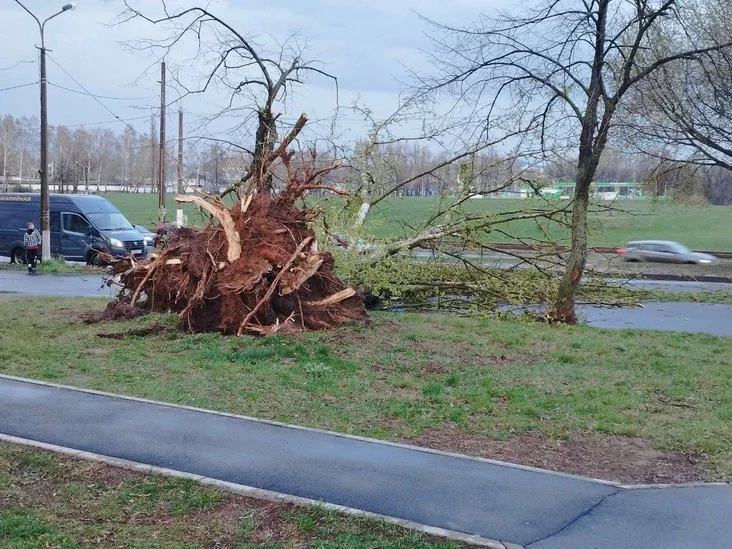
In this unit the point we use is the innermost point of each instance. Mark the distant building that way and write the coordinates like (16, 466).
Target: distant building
(604, 190)
(600, 190)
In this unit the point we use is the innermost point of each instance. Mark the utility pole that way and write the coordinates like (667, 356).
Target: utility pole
(179, 211)
(45, 204)
(161, 160)
(153, 154)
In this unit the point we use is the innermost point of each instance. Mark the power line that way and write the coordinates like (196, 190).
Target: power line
(18, 64)
(19, 86)
(100, 96)
(117, 118)
(103, 122)
(81, 124)
(90, 94)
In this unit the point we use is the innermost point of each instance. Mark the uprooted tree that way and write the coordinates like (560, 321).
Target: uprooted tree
(256, 267)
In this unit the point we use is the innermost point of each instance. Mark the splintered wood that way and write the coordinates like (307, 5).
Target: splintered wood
(255, 268)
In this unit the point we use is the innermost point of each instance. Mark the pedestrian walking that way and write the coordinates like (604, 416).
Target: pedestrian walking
(32, 243)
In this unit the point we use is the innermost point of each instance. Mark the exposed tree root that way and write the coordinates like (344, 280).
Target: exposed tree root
(255, 269)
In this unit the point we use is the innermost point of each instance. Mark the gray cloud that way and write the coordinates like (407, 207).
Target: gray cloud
(362, 43)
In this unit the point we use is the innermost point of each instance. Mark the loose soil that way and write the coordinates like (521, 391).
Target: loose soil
(620, 459)
(154, 329)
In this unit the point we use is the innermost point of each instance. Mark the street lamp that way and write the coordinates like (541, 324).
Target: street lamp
(45, 233)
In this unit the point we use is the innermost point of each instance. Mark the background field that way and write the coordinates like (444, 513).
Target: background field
(700, 227)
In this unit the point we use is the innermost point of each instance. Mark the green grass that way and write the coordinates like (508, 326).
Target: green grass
(695, 226)
(403, 374)
(142, 209)
(53, 501)
(53, 266)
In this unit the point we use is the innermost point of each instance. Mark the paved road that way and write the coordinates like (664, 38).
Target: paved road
(712, 318)
(672, 285)
(531, 508)
(85, 285)
(708, 318)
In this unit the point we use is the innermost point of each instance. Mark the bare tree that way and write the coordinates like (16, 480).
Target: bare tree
(683, 111)
(8, 130)
(561, 69)
(256, 80)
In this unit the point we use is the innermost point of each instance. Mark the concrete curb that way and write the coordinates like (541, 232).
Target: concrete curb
(258, 493)
(666, 486)
(314, 430)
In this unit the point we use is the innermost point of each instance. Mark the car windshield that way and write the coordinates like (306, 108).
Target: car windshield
(109, 221)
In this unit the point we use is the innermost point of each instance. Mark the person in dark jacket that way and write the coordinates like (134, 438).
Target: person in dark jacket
(32, 243)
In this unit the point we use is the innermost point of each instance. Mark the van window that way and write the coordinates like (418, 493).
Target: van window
(75, 223)
(109, 221)
(55, 225)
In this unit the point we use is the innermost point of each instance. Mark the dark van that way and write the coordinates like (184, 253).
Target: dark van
(81, 227)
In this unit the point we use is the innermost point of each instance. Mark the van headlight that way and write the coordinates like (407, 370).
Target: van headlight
(116, 242)
(705, 261)
(148, 240)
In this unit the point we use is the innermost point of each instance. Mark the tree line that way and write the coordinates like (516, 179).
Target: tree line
(81, 157)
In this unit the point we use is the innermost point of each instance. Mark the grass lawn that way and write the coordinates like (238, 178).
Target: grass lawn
(54, 266)
(695, 226)
(700, 227)
(142, 209)
(50, 501)
(405, 376)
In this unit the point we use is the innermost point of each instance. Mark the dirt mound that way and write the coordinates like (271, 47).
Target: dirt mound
(255, 269)
(621, 459)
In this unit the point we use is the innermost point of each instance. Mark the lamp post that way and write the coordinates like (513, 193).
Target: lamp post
(45, 233)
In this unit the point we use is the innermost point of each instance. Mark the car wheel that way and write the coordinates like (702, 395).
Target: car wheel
(18, 256)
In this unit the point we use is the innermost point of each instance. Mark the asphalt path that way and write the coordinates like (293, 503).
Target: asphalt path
(528, 507)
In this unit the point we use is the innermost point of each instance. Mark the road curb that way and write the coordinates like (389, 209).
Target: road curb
(704, 279)
(314, 430)
(667, 486)
(258, 493)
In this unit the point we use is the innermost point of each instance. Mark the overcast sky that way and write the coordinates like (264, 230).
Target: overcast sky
(363, 43)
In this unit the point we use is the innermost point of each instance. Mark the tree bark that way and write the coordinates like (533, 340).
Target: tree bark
(266, 139)
(563, 310)
(363, 211)
(591, 144)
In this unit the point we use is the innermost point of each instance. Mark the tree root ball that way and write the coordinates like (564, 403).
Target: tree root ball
(255, 268)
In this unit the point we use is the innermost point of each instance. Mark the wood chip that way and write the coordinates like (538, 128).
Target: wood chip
(332, 299)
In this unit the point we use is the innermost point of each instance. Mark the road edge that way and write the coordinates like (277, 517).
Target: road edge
(260, 494)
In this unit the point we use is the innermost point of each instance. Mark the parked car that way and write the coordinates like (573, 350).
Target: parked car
(147, 234)
(662, 251)
(81, 226)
